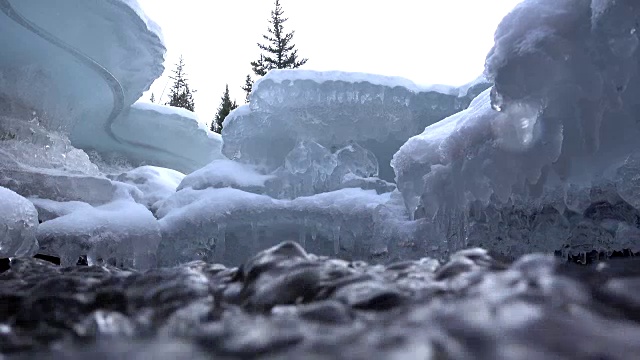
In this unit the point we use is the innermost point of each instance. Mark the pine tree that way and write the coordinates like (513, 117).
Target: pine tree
(280, 51)
(226, 106)
(180, 95)
(248, 86)
(153, 98)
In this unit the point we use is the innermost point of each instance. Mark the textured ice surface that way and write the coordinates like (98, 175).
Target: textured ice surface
(121, 233)
(35, 162)
(18, 224)
(546, 160)
(26, 144)
(332, 109)
(310, 169)
(225, 225)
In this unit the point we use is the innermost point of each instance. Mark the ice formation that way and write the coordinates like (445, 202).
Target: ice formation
(82, 83)
(86, 88)
(165, 136)
(18, 224)
(226, 173)
(121, 233)
(226, 225)
(547, 159)
(154, 183)
(332, 109)
(544, 160)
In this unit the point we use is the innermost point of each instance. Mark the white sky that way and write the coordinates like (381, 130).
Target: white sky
(427, 41)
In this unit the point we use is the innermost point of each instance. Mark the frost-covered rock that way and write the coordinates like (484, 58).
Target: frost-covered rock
(18, 225)
(122, 232)
(544, 161)
(332, 109)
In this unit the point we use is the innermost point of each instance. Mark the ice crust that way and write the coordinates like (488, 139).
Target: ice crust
(332, 109)
(18, 225)
(546, 159)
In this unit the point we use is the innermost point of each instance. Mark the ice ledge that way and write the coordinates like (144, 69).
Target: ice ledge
(280, 76)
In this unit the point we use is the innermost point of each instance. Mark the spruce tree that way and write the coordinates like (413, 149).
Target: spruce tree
(248, 86)
(226, 106)
(153, 98)
(180, 95)
(279, 51)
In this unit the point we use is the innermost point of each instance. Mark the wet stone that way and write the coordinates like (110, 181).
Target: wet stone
(287, 304)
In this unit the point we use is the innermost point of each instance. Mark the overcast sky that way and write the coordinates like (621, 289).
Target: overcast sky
(427, 41)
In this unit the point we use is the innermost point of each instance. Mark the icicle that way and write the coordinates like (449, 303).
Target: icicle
(336, 239)
(221, 241)
(302, 237)
(254, 238)
(314, 233)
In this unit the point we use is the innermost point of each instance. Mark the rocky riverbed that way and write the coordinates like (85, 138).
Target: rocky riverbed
(287, 304)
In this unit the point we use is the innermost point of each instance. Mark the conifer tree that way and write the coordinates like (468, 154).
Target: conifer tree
(180, 95)
(153, 98)
(226, 106)
(279, 51)
(248, 86)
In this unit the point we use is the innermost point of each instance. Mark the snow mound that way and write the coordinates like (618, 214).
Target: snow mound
(18, 225)
(547, 159)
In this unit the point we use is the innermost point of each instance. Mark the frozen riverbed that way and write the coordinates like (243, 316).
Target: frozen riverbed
(287, 304)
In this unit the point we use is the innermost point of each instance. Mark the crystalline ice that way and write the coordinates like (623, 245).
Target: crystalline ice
(18, 225)
(310, 169)
(547, 149)
(333, 108)
(353, 161)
